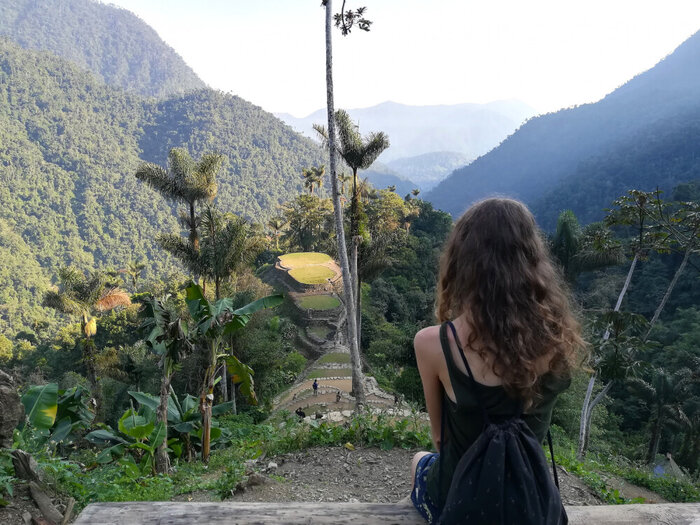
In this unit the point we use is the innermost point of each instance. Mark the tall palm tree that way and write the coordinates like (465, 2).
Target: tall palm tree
(186, 181)
(228, 245)
(358, 152)
(86, 297)
(276, 224)
(133, 271)
(584, 249)
(313, 178)
(664, 395)
(357, 379)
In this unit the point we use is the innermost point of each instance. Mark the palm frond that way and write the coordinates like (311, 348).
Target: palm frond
(112, 299)
(159, 179)
(182, 250)
(180, 164)
(372, 147)
(61, 303)
(322, 133)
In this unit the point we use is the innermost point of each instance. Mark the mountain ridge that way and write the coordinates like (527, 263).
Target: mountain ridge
(113, 43)
(549, 148)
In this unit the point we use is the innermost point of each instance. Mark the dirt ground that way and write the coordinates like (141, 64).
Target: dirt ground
(362, 475)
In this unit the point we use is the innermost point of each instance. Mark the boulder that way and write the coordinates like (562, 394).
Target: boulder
(11, 409)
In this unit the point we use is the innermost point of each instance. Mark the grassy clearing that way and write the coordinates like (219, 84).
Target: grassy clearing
(334, 357)
(318, 374)
(319, 331)
(314, 274)
(319, 302)
(293, 260)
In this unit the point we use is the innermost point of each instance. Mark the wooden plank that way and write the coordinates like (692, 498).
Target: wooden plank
(178, 513)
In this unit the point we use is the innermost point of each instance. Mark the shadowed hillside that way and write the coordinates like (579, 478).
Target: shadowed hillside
(582, 158)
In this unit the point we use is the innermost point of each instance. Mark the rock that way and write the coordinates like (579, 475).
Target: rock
(256, 479)
(25, 466)
(44, 503)
(11, 409)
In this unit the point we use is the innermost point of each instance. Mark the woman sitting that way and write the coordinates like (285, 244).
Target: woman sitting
(512, 318)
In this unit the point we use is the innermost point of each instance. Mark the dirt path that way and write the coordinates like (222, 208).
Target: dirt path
(363, 475)
(630, 491)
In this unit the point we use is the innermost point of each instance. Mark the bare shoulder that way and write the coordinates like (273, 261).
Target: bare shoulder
(427, 340)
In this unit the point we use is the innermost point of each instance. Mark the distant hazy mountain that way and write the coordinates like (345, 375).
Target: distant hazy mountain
(114, 44)
(430, 168)
(382, 176)
(469, 129)
(644, 134)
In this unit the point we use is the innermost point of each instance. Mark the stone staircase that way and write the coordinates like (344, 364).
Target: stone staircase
(329, 355)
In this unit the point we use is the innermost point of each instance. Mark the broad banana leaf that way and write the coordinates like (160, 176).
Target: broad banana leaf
(242, 374)
(241, 316)
(134, 425)
(63, 428)
(40, 404)
(158, 435)
(103, 436)
(152, 402)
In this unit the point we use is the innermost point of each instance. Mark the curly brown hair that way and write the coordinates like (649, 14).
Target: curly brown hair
(497, 270)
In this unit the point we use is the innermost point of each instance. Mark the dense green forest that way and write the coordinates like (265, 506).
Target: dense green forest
(114, 44)
(69, 147)
(565, 160)
(150, 344)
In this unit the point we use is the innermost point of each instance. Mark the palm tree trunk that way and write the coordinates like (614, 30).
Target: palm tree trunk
(671, 285)
(655, 438)
(587, 409)
(90, 358)
(162, 458)
(357, 378)
(194, 239)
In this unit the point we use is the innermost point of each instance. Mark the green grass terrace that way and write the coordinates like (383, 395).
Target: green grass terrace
(295, 260)
(319, 302)
(312, 274)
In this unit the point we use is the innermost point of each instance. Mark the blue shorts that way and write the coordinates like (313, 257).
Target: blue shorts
(419, 494)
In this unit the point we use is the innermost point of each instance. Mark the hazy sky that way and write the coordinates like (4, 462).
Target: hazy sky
(548, 53)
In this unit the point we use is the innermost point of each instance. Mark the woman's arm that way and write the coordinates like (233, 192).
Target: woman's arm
(429, 357)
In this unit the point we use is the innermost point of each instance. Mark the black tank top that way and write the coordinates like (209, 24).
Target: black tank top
(463, 421)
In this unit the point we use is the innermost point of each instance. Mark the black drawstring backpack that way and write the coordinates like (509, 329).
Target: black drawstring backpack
(503, 478)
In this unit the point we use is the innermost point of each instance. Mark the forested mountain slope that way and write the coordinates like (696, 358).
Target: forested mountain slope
(69, 148)
(114, 44)
(581, 158)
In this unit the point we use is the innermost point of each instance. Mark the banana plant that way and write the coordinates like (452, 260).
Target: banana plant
(185, 419)
(168, 338)
(41, 405)
(213, 322)
(139, 433)
(56, 415)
